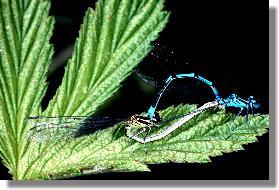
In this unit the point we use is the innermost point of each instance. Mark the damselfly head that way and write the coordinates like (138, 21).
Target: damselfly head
(253, 103)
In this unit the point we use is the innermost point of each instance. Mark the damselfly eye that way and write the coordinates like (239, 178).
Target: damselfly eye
(157, 118)
(256, 105)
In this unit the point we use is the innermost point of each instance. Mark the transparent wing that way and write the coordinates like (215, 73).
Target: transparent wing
(159, 64)
(44, 129)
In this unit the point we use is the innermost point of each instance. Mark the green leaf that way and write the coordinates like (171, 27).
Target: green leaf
(112, 40)
(110, 150)
(25, 54)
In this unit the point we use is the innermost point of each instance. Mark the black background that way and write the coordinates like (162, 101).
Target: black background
(225, 41)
